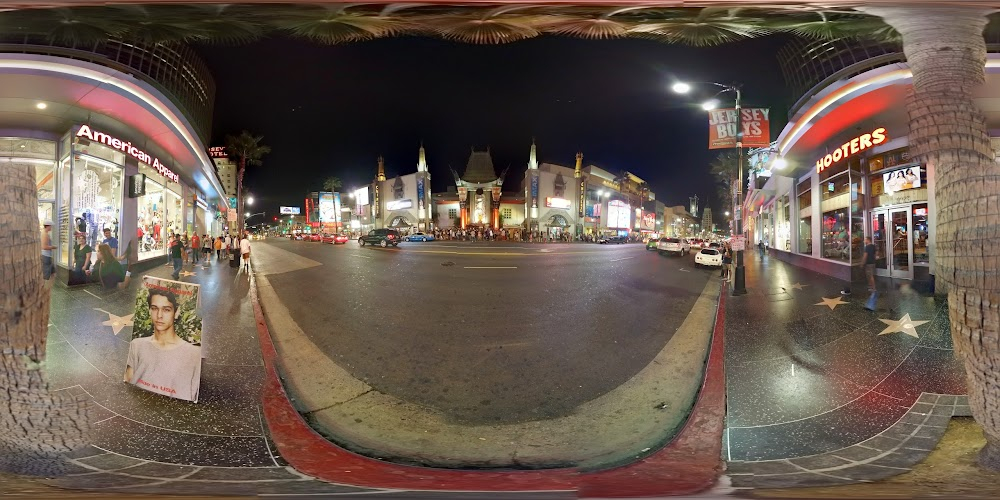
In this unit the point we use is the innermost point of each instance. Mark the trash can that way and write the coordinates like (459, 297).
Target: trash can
(234, 259)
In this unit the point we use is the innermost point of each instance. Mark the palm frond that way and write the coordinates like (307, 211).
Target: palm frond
(78, 25)
(709, 26)
(334, 25)
(489, 30)
(599, 28)
(162, 23)
(824, 26)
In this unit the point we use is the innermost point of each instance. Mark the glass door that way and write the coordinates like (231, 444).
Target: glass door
(901, 265)
(879, 238)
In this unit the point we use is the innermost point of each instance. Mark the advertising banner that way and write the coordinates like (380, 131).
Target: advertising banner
(722, 127)
(619, 214)
(534, 190)
(420, 194)
(399, 204)
(361, 196)
(557, 202)
(165, 353)
(900, 180)
(290, 210)
(337, 208)
(231, 215)
(326, 208)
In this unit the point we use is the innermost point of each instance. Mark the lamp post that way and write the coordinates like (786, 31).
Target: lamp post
(739, 277)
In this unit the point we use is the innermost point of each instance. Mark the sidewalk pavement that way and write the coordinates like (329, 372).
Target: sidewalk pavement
(822, 391)
(146, 443)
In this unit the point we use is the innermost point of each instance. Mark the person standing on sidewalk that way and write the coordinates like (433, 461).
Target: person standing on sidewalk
(245, 250)
(177, 255)
(195, 248)
(206, 248)
(869, 263)
(48, 268)
(727, 263)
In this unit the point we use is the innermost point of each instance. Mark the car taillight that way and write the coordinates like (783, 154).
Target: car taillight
(390, 236)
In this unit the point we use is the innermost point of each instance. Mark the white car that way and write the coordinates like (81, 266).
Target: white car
(710, 257)
(673, 245)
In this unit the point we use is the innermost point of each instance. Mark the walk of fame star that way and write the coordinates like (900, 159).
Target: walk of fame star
(831, 303)
(796, 286)
(904, 325)
(116, 322)
(187, 273)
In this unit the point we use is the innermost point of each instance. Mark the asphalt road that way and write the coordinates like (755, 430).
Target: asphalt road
(490, 332)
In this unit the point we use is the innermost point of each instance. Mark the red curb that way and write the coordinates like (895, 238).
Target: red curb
(688, 464)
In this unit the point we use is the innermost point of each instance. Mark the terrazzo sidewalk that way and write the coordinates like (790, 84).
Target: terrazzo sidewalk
(822, 391)
(147, 443)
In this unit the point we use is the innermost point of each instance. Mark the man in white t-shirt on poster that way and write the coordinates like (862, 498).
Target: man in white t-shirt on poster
(164, 363)
(245, 250)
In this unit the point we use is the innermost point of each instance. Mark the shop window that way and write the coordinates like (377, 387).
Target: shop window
(452, 213)
(920, 234)
(835, 202)
(805, 235)
(65, 228)
(96, 199)
(507, 213)
(151, 209)
(902, 185)
(857, 217)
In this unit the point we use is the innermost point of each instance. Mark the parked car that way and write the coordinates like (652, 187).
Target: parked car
(708, 257)
(673, 246)
(316, 237)
(651, 243)
(419, 237)
(335, 239)
(613, 239)
(380, 237)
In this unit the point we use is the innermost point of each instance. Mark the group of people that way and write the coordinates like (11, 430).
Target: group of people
(224, 245)
(111, 269)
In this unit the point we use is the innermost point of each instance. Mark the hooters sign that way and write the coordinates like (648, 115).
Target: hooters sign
(724, 125)
(852, 147)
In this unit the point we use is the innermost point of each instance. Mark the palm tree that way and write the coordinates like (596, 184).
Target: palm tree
(245, 149)
(725, 169)
(946, 52)
(36, 422)
(332, 184)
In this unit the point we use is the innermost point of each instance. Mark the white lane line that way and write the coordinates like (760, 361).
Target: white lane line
(623, 258)
(684, 270)
(490, 267)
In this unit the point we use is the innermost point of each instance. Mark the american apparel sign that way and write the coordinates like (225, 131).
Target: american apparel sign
(128, 148)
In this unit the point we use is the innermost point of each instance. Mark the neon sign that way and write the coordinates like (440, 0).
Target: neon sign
(852, 147)
(127, 147)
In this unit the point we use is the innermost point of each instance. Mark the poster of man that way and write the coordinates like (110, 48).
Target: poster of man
(165, 353)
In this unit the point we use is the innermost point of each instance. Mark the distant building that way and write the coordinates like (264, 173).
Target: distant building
(404, 202)
(706, 220)
(225, 167)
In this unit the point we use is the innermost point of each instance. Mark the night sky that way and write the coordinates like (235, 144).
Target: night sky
(332, 110)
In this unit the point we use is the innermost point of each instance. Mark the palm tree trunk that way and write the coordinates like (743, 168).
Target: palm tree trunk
(946, 51)
(35, 424)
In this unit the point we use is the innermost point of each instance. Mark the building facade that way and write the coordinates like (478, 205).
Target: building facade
(404, 202)
(112, 150)
(225, 168)
(850, 175)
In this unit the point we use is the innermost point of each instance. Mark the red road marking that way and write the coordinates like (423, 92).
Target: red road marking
(689, 464)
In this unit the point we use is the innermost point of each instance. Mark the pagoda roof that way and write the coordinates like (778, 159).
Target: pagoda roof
(479, 169)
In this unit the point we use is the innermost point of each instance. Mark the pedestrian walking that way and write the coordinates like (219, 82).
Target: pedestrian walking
(177, 256)
(218, 248)
(48, 267)
(869, 263)
(245, 250)
(195, 248)
(206, 248)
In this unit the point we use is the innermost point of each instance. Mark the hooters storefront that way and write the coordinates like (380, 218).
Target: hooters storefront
(851, 176)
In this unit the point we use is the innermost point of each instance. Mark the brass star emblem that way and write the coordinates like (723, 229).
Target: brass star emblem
(117, 323)
(831, 303)
(796, 286)
(904, 325)
(187, 273)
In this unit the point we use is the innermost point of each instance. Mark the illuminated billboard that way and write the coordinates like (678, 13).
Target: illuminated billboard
(900, 180)
(327, 213)
(399, 204)
(290, 210)
(558, 203)
(619, 214)
(361, 196)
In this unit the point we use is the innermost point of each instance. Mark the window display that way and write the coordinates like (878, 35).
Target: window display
(805, 216)
(96, 198)
(920, 234)
(835, 204)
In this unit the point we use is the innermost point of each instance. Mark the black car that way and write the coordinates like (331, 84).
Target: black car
(381, 237)
(613, 239)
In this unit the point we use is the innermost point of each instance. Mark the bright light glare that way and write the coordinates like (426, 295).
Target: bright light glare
(710, 105)
(727, 213)
(249, 200)
(681, 88)
(41, 105)
(779, 163)
(248, 214)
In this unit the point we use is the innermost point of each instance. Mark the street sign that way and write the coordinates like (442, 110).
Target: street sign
(232, 202)
(739, 243)
(232, 215)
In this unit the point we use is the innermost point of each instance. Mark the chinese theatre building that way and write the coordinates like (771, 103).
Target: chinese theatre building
(850, 175)
(112, 150)
(479, 192)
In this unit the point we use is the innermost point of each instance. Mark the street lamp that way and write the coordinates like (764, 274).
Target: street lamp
(779, 164)
(249, 200)
(739, 277)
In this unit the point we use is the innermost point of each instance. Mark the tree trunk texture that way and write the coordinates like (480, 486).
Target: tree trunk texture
(946, 51)
(36, 425)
